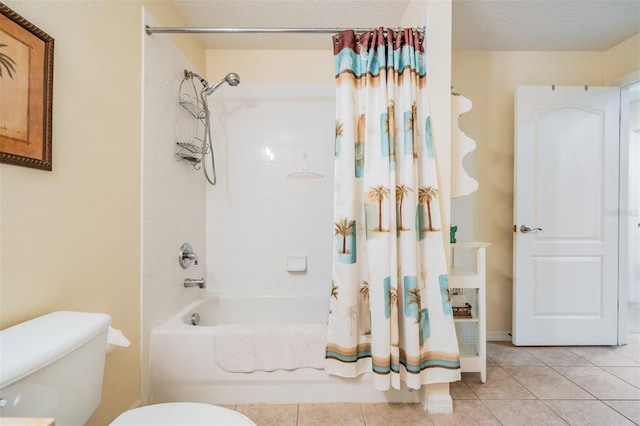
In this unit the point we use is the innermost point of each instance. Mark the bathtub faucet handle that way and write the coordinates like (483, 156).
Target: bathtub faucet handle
(186, 256)
(193, 257)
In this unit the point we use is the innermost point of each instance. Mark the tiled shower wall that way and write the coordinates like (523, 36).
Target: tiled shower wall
(256, 215)
(173, 195)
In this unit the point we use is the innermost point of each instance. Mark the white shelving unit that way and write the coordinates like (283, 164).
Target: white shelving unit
(467, 286)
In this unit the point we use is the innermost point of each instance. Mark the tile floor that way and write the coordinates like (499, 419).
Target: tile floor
(525, 386)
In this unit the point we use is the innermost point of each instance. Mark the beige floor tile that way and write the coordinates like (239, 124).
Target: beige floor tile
(506, 354)
(600, 383)
(630, 350)
(629, 409)
(270, 414)
(395, 415)
(467, 413)
(558, 357)
(523, 413)
(546, 383)
(585, 413)
(340, 414)
(460, 390)
(500, 385)
(630, 375)
(603, 356)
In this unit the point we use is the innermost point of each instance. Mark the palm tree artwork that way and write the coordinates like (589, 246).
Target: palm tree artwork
(410, 137)
(345, 228)
(443, 280)
(392, 299)
(334, 290)
(411, 293)
(7, 63)
(359, 146)
(378, 194)
(413, 297)
(338, 142)
(402, 191)
(414, 119)
(352, 313)
(413, 305)
(427, 194)
(365, 309)
(391, 129)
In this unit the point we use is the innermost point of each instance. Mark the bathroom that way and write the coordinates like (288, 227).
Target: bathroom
(71, 239)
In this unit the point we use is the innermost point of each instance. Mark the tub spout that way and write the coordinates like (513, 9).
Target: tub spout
(194, 282)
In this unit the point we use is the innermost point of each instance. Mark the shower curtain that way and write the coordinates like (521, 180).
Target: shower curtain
(389, 312)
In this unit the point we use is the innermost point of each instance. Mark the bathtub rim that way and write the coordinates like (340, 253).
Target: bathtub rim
(175, 322)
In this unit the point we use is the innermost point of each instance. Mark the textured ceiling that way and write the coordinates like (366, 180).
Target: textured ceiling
(545, 25)
(548, 25)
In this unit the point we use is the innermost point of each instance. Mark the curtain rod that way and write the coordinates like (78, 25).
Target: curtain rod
(216, 30)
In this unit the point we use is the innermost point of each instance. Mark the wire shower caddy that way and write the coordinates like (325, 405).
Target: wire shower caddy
(191, 113)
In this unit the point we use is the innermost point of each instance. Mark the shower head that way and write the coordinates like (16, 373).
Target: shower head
(232, 79)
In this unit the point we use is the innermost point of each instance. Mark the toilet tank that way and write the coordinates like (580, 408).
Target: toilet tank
(52, 366)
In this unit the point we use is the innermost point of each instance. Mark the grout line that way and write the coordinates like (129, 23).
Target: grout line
(491, 412)
(622, 414)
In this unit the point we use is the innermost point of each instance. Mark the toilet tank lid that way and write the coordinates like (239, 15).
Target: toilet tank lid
(29, 346)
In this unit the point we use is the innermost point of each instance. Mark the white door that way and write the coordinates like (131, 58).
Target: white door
(566, 223)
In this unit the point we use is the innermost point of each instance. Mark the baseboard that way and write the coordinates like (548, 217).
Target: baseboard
(498, 336)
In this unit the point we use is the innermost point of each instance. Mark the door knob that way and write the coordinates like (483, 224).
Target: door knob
(525, 229)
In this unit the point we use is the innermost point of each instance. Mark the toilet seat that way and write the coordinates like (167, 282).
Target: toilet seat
(181, 414)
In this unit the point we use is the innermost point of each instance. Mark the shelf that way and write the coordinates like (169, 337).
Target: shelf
(194, 109)
(193, 148)
(467, 285)
(471, 244)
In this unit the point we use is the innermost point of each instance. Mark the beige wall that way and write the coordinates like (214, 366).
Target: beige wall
(275, 66)
(70, 238)
(489, 79)
(622, 60)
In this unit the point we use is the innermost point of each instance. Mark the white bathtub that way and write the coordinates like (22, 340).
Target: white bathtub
(183, 366)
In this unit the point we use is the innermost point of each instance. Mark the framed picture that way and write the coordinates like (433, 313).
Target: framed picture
(26, 92)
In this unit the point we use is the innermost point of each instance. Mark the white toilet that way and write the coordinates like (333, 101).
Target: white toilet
(52, 367)
(181, 413)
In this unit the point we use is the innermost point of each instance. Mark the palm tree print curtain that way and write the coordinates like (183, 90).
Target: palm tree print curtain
(389, 311)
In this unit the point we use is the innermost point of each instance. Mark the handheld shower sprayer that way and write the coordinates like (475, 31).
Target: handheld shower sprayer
(232, 79)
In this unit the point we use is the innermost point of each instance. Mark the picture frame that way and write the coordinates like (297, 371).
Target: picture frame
(26, 92)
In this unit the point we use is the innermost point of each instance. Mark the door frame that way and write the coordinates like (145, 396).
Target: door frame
(624, 229)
